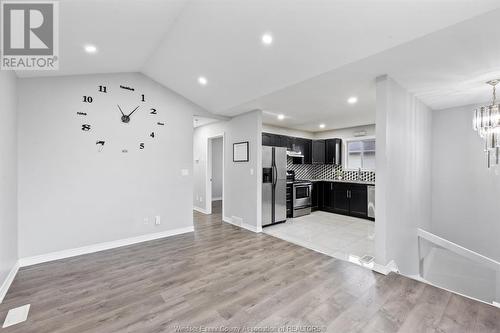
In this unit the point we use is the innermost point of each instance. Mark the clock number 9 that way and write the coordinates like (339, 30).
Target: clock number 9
(87, 99)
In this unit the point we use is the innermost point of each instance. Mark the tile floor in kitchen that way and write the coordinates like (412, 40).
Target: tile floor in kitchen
(339, 236)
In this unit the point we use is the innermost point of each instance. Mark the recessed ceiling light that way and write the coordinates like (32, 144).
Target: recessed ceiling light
(267, 39)
(90, 48)
(321, 125)
(352, 100)
(202, 80)
(281, 116)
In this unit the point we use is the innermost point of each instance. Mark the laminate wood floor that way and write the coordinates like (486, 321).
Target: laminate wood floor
(224, 276)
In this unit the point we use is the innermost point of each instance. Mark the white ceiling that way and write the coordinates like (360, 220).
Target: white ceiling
(445, 69)
(126, 33)
(323, 52)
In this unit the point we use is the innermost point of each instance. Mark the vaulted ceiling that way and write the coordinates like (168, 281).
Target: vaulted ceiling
(323, 51)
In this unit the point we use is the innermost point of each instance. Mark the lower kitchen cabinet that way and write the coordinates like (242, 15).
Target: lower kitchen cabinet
(358, 200)
(316, 196)
(342, 198)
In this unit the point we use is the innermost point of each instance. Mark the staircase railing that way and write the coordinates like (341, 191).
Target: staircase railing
(439, 242)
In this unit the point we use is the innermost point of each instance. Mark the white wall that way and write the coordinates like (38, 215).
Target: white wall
(71, 195)
(465, 193)
(403, 188)
(217, 168)
(8, 174)
(242, 186)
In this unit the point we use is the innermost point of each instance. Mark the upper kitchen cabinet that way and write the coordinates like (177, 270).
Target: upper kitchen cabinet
(333, 151)
(274, 140)
(268, 139)
(303, 146)
(318, 152)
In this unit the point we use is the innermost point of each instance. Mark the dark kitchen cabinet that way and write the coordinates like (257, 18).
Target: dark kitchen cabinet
(317, 196)
(267, 139)
(358, 200)
(344, 198)
(341, 198)
(333, 151)
(328, 196)
(274, 140)
(303, 146)
(318, 152)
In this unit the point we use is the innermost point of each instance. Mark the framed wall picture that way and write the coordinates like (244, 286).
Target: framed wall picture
(240, 152)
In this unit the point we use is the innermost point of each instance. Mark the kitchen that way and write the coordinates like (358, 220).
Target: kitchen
(323, 194)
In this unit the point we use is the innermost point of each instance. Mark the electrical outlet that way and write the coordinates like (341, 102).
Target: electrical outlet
(157, 220)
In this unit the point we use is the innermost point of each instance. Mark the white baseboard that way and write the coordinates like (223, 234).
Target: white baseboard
(200, 210)
(28, 261)
(8, 281)
(217, 199)
(242, 225)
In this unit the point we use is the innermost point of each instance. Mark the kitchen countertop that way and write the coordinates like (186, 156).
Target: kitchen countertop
(342, 181)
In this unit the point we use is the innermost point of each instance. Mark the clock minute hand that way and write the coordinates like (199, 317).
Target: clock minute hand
(123, 114)
(133, 111)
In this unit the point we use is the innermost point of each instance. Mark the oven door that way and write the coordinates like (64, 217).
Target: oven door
(302, 195)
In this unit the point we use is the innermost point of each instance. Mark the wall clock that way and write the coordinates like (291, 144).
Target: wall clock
(119, 118)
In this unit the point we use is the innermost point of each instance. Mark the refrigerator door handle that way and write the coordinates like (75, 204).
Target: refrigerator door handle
(275, 175)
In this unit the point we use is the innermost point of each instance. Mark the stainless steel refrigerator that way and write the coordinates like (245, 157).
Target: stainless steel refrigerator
(273, 185)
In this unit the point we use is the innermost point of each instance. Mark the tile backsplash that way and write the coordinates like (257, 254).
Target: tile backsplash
(326, 171)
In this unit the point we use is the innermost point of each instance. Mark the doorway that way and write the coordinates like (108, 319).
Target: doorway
(215, 175)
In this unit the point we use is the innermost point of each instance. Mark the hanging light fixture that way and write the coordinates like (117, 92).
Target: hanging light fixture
(486, 123)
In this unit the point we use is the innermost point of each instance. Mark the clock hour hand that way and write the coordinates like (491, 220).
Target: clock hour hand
(133, 111)
(120, 109)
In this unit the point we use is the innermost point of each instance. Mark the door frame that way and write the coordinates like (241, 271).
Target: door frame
(208, 175)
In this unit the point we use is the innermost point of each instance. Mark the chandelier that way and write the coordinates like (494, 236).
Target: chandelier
(486, 123)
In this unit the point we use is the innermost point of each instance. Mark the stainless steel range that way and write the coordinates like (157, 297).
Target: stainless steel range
(302, 197)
